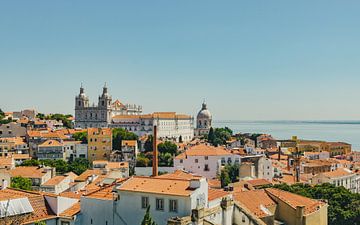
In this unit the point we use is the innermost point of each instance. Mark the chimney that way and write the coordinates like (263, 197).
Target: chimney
(155, 154)
(279, 153)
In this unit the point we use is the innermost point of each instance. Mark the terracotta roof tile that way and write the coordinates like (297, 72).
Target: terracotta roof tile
(337, 173)
(254, 201)
(28, 172)
(157, 185)
(72, 211)
(179, 175)
(216, 193)
(41, 208)
(204, 150)
(295, 200)
(54, 181)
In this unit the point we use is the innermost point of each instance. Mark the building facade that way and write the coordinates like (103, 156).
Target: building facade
(170, 125)
(205, 160)
(100, 115)
(99, 143)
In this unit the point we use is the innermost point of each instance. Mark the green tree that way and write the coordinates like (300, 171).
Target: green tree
(31, 162)
(21, 183)
(81, 136)
(79, 165)
(120, 134)
(40, 116)
(142, 161)
(2, 114)
(166, 159)
(219, 136)
(147, 220)
(224, 178)
(233, 171)
(148, 145)
(167, 147)
(40, 223)
(211, 135)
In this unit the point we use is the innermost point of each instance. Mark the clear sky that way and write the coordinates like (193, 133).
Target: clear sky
(258, 60)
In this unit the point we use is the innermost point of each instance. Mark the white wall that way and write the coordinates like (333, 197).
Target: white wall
(214, 163)
(130, 210)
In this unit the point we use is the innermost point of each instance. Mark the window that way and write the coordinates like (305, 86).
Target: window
(159, 204)
(173, 205)
(206, 168)
(181, 161)
(65, 223)
(91, 222)
(144, 202)
(196, 160)
(206, 157)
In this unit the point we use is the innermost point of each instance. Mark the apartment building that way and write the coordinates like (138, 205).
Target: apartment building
(99, 143)
(205, 160)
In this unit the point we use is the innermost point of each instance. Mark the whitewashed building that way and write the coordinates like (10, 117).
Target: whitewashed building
(205, 160)
(339, 177)
(75, 149)
(170, 125)
(171, 197)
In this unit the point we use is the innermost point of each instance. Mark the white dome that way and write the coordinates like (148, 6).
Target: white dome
(204, 113)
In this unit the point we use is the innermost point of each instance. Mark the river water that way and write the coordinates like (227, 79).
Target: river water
(345, 131)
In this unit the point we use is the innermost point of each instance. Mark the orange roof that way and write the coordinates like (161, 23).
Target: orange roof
(6, 161)
(27, 171)
(38, 202)
(51, 143)
(179, 175)
(13, 140)
(155, 115)
(132, 143)
(216, 193)
(69, 194)
(72, 211)
(105, 193)
(254, 201)
(214, 183)
(46, 134)
(21, 156)
(54, 181)
(86, 174)
(204, 150)
(287, 178)
(337, 173)
(258, 182)
(157, 185)
(111, 165)
(295, 200)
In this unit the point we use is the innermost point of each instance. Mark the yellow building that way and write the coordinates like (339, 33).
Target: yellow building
(338, 148)
(99, 143)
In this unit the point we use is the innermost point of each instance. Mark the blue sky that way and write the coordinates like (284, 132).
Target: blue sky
(258, 60)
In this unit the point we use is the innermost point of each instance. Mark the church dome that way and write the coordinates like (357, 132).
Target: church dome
(204, 112)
